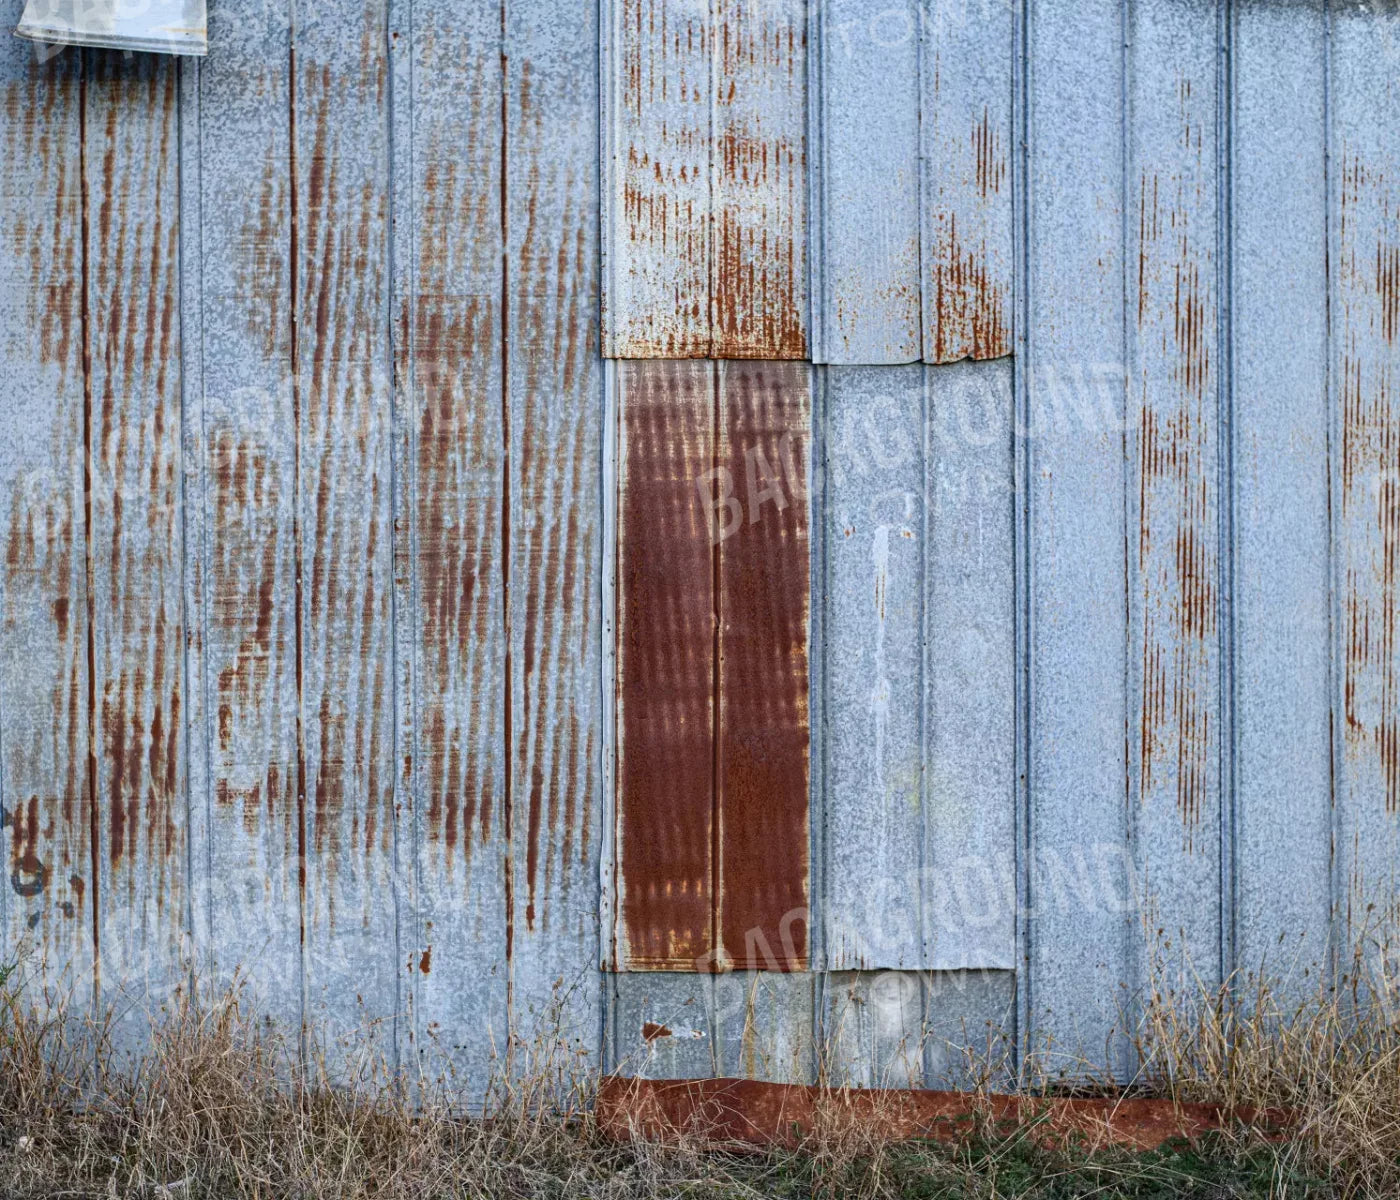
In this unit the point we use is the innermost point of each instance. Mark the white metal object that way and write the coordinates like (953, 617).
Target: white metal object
(156, 26)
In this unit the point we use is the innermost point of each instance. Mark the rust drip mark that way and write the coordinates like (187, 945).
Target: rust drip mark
(665, 653)
(758, 159)
(970, 305)
(664, 222)
(45, 246)
(762, 740)
(341, 256)
(136, 479)
(1177, 545)
(425, 961)
(550, 356)
(247, 580)
(261, 273)
(458, 510)
(51, 821)
(1368, 276)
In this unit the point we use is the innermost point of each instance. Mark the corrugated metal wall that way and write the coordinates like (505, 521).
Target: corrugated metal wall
(1017, 631)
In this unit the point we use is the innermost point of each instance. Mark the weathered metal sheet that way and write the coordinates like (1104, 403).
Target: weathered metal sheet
(1364, 153)
(712, 569)
(47, 899)
(456, 527)
(340, 392)
(134, 528)
(912, 255)
(917, 675)
(965, 69)
(744, 1025)
(1081, 922)
(555, 381)
(762, 578)
(866, 166)
(1280, 513)
(705, 168)
(1174, 486)
(247, 829)
(666, 665)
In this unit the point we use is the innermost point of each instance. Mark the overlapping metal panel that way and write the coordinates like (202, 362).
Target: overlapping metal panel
(364, 630)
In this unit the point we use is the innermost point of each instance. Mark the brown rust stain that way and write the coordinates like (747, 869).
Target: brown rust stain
(136, 471)
(1368, 276)
(341, 242)
(666, 664)
(968, 274)
(662, 306)
(651, 1031)
(1177, 546)
(458, 504)
(759, 164)
(762, 751)
(261, 276)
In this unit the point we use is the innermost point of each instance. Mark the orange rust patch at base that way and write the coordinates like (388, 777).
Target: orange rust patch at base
(749, 1112)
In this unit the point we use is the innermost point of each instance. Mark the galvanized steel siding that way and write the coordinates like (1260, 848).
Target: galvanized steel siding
(363, 629)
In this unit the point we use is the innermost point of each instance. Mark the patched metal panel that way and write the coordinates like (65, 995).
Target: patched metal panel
(712, 601)
(705, 192)
(1364, 153)
(917, 668)
(912, 256)
(1281, 590)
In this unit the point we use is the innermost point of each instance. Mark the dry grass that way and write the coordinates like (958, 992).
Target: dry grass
(216, 1110)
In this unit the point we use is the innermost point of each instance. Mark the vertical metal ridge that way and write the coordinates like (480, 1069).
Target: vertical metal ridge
(1132, 700)
(1224, 215)
(1336, 737)
(930, 489)
(1021, 455)
(717, 949)
(507, 606)
(89, 572)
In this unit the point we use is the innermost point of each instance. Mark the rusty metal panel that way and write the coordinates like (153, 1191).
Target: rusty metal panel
(712, 570)
(1364, 151)
(47, 899)
(705, 194)
(918, 672)
(762, 583)
(134, 526)
(1173, 489)
(912, 254)
(1081, 923)
(247, 832)
(454, 525)
(555, 381)
(666, 667)
(1279, 398)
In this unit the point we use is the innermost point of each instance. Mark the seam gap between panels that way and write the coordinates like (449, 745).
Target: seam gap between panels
(717, 949)
(1337, 924)
(185, 382)
(507, 602)
(1134, 941)
(401, 984)
(1224, 224)
(1021, 461)
(94, 824)
(294, 273)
